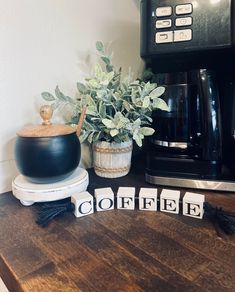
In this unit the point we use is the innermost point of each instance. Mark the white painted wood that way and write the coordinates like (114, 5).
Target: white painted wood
(3, 288)
(112, 159)
(148, 199)
(169, 201)
(126, 198)
(84, 204)
(104, 199)
(29, 193)
(193, 205)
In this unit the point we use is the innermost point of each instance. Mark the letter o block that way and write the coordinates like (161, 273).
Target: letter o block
(84, 204)
(193, 205)
(104, 199)
(169, 201)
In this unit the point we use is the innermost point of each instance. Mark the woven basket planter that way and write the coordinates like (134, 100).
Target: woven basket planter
(112, 159)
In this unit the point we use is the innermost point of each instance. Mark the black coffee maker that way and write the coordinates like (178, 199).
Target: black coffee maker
(188, 47)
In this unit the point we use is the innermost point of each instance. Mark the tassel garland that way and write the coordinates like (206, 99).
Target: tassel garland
(222, 220)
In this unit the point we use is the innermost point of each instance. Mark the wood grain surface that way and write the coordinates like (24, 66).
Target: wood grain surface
(116, 250)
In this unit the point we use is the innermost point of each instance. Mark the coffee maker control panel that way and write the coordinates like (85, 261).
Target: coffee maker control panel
(164, 26)
(185, 26)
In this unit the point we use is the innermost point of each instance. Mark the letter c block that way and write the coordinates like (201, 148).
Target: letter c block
(84, 204)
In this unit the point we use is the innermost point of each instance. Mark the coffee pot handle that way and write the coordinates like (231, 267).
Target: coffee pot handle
(210, 115)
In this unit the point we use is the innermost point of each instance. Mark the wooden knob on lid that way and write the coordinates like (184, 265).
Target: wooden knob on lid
(46, 129)
(46, 113)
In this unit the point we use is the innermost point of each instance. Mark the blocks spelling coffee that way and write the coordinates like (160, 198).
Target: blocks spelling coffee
(169, 201)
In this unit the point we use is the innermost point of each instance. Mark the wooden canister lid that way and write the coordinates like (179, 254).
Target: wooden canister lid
(46, 129)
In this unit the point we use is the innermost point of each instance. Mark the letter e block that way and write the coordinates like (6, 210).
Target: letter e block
(148, 199)
(84, 204)
(126, 198)
(169, 201)
(104, 199)
(193, 205)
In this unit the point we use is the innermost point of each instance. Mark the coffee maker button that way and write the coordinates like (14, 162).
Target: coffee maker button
(163, 23)
(164, 11)
(164, 37)
(182, 35)
(184, 9)
(183, 21)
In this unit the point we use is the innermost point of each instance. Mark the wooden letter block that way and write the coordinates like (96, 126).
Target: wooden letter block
(169, 201)
(193, 205)
(126, 198)
(148, 199)
(84, 204)
(104, 199)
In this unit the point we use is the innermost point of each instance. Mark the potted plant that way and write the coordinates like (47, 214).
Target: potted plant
(118, 111)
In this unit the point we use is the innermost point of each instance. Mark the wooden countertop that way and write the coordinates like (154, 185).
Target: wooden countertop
(115, 250)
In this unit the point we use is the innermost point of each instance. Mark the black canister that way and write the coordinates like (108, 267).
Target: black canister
(47, 153)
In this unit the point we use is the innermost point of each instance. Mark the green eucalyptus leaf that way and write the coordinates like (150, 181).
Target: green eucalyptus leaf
(101, 93)
(100, 46)
(147, 74)
(98, 72)
(83, 136)
(81, 88)
(160, 103)
(55, 105)
(91, 111)
(157, 92)
(96, 136)
(146, 102)
(150, 120)
(110, 75)
(59, 94)
(137, 122)
(93, 83)
(106, 60)
(109, 68)
(114, 132)
(107, 78)
(138, 140)
(126, 105)
(148, 87)
(108, 123)
(102, 110)
(146, 131)
(69, 99)
(90, 137)
(47, 96)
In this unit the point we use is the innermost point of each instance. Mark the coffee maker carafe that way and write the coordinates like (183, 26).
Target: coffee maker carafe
(189, 48)
(187, 140)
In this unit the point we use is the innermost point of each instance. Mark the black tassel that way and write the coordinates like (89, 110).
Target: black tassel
(52, 210)
(220, 218)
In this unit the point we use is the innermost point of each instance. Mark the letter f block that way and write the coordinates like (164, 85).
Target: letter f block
(126, 198)
(148, 199)
(84, 204)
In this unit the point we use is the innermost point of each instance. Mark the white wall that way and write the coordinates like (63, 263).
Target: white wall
(49, 42)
